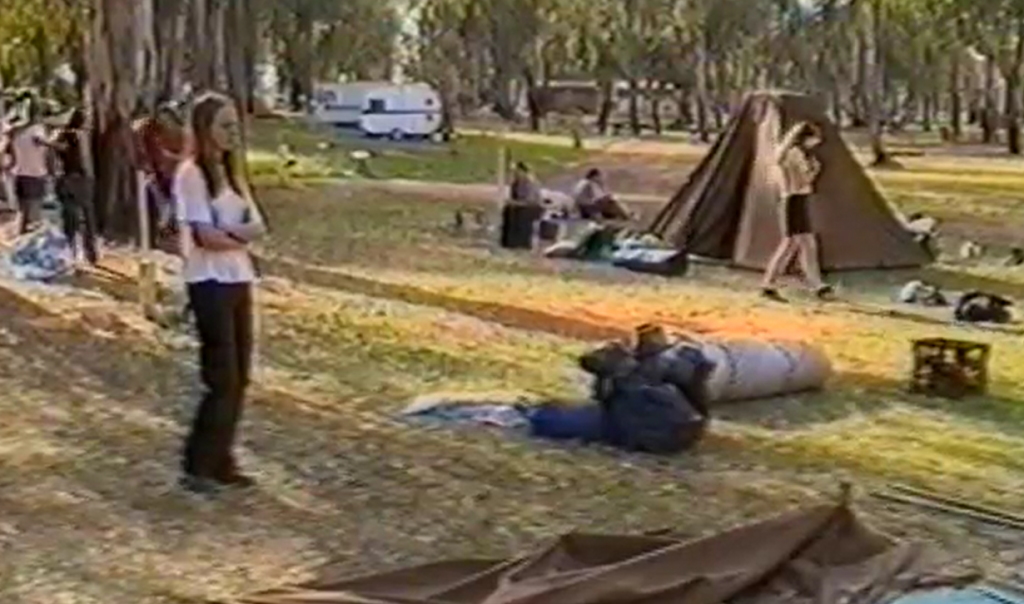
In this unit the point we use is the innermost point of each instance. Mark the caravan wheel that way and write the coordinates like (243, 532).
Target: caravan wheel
(397, 134)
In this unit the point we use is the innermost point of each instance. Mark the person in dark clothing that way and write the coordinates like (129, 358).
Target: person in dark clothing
(75, 186)
(524, 187)
(217, 221)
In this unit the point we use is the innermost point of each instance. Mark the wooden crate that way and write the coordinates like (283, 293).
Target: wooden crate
(950, 368)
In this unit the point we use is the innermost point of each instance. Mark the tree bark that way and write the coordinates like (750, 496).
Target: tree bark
(607, 106)
(112, 49)
(876, 80)
(956, 108)
(989, 105)
(703, 100)
(634, 107)
(1013, 107)
(654, 94)
(536, 112)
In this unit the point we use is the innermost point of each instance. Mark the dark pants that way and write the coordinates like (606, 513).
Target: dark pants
(606, 208)
(223, 314)
(157, 195)
(78, 213)
(30, 191)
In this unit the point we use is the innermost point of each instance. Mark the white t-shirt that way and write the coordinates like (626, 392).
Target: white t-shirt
(29, 155)
(194, 206)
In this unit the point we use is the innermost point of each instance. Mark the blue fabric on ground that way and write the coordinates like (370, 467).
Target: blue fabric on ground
(503, 416)
(583, 422)
(968, 595)
(40, 255)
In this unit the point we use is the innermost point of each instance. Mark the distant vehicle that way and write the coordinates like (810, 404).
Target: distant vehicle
(377, 109)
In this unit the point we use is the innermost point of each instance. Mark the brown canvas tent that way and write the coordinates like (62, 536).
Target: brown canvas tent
(819, 555)
(728, 209)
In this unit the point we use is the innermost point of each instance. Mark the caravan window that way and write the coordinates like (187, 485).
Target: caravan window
(377, 106)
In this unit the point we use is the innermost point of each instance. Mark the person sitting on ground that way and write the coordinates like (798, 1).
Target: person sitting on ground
(800, 169)
(593, 201)
(524, 187)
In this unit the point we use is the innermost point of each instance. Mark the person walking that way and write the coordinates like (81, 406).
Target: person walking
(29, 149)
(800, 169)
(75, 186)
(217, 221)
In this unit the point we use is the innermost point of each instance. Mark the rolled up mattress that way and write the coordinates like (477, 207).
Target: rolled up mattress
(751, 369)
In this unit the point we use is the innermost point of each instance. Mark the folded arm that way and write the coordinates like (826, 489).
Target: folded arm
(211, 238)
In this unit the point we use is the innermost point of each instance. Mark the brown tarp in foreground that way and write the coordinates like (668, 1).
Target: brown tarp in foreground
(728, 208)
(822, 555)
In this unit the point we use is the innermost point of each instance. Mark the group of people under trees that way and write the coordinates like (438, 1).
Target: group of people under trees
(799, 167)
(195, 181)
(37, 158)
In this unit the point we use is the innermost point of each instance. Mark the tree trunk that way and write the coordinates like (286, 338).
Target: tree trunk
(146, 72)
(927, 112)
(875, 80)
(112, 52)
(1013, 101)
(989, 105)
(235, 46)
(860, 97)
(837, 102)
(634, 107)
(536, 112)
(654, 94)
(685, 118)
(956, 108)
(703, 100)
(203, 52)
(607, 106)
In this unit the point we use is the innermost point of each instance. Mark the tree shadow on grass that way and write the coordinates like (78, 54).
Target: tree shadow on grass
(852, 394)
(339, 481)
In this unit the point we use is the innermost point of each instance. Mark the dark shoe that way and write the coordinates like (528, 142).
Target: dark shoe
(237, 480)
(770, 293)
(199, 485)
(825, 292)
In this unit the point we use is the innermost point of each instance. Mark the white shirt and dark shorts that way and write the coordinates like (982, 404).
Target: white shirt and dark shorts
(30, 172)
(799, 171)
(220, 295)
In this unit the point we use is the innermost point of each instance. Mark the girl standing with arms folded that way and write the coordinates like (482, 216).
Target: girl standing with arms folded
(218, 220)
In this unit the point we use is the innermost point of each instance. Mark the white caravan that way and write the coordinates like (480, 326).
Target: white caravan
(380, 109)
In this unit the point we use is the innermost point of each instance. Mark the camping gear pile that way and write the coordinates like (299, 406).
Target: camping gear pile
(820, 554)
(649, 397)
(971, 307)
(752, 369)
(622, 248)
(922, 293)
(982, 307)
(40, 255)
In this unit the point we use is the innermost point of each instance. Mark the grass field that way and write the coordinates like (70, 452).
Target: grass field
(371, 299)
